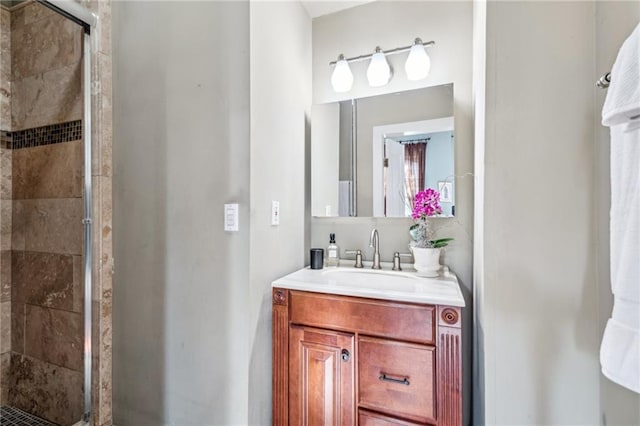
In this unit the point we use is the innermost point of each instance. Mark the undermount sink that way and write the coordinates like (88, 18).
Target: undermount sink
(373, 279)
(378, 284)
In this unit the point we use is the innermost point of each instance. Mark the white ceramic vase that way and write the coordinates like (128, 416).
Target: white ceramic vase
(426, 261)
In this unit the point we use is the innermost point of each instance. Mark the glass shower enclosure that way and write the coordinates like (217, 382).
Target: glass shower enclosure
(45, 217)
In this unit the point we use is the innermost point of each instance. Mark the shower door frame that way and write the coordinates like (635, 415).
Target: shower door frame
(87, 20)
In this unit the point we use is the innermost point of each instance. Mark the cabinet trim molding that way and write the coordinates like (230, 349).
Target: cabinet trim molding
(449, 380)
(280, 297)
(280, 354)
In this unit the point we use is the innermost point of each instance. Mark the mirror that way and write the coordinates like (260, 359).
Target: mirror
(369, 156)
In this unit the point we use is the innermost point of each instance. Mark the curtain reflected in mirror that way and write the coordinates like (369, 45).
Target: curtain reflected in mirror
(414, 170)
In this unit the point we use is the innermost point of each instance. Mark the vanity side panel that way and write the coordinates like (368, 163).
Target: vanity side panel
(280, 403)
(449, 367)
(394, 320)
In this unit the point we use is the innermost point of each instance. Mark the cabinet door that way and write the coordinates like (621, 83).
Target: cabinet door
(321, 377)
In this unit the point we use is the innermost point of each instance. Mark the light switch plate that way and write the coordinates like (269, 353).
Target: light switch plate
(275, 213)
(231, 218)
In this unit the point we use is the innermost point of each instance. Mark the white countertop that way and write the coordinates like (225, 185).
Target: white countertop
(404, 286)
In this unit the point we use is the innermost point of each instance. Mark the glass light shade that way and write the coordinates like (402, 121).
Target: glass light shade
(342, 77)
(379, 71)
(418, 63)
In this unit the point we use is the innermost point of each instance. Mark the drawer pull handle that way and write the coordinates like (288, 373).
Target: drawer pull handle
(386, 378)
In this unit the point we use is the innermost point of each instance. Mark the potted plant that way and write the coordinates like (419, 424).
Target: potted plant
(426, 250)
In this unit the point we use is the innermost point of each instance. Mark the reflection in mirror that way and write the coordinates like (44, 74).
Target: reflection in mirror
(370, 156)
(407, 158)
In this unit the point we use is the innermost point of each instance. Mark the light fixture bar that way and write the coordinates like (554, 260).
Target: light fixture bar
(386, 52)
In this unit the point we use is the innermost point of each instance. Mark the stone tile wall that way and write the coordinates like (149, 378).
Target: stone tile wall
(101, 104)
(5, 69)
(5, 202)
(40, 200)
(46, 52)
(46, 233)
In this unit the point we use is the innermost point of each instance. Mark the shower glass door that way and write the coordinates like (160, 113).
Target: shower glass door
(42, 241)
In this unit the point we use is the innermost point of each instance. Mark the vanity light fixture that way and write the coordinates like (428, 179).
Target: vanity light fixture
(418, 63)
(379, 71)
(342, 77)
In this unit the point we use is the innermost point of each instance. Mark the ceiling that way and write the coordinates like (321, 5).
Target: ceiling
(321, 7)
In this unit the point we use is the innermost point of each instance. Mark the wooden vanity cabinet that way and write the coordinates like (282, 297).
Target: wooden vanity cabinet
(342, 360)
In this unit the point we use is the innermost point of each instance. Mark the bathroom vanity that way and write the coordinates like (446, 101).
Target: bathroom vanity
(358, 346)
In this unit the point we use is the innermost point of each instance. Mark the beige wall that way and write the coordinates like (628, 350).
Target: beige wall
(200, 296)
(539, 315)
(280, 113)
(392, 24)
(181, 150)
(573, 289)
(615, 20)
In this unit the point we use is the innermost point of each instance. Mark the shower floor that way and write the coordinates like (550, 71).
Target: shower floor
(10, 416)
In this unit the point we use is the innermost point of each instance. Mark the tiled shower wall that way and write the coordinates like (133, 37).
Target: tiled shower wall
(45, 365)
(5, 202)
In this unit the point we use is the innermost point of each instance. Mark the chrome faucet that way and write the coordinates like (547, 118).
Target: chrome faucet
(374, 242)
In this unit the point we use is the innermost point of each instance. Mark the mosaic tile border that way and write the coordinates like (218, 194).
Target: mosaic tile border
(5, 139)
(41, 136)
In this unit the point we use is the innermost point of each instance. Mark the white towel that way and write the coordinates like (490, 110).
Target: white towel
(620, 350)
(623, 97)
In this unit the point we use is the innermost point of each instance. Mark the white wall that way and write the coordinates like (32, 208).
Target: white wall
(181, 150)
(539, 297)
(615, 20)
(392, 24)
(280, 138)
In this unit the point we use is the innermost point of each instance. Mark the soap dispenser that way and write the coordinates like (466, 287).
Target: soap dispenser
(333, 251)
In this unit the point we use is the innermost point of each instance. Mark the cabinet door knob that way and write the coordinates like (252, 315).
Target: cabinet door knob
(345, 355)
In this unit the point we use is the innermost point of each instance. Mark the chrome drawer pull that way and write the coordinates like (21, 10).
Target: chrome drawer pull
(386, 378)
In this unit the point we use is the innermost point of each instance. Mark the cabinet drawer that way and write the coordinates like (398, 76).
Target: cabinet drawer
(397, 378)
(367, 418)
(402, 321)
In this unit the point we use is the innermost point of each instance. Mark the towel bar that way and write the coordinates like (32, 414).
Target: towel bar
(604, 81)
